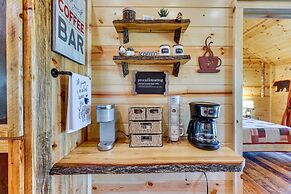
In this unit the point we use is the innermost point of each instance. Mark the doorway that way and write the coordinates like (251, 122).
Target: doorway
(256, 23)
(258, 28)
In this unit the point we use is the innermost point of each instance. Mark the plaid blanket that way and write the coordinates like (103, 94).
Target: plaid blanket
(262, 132)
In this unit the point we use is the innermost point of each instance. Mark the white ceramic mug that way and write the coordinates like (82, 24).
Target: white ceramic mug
(165, 50)
(178, 49)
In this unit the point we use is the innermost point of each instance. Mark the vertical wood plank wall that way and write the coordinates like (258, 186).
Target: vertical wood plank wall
(15, 167)
(109, 86)
(45, 100)
(62, 143)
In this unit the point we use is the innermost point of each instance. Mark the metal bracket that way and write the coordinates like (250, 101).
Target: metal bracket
(176, 69)
(125, 36)
(177, 35)
(55, 73)
(125, 70)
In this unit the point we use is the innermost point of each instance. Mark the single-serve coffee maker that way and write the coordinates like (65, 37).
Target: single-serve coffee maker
(108, 133)
(202, 131)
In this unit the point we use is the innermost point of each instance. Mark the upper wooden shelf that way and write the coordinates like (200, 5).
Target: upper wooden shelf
(172, 157)
(150, 60)
(142, 60)
(157, 25)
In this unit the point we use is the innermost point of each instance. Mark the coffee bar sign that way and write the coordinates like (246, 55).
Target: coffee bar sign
(150, 83)
(69, 29)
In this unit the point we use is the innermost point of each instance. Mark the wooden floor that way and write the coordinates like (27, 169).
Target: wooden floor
(267, 172)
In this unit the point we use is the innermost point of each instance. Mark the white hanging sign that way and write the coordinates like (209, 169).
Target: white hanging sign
(79, 103)
(69, 29)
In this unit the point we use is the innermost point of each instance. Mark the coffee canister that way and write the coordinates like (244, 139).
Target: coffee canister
(178, 49)
(165, 50)
(128, 14)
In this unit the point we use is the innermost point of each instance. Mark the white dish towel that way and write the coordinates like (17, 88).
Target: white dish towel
(79, 103)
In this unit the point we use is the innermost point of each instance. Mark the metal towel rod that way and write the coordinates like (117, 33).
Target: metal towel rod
(55, 73)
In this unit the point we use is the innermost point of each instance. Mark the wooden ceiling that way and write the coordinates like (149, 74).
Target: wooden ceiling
(268, 40)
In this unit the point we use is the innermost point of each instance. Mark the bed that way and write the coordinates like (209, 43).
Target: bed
(265, 136)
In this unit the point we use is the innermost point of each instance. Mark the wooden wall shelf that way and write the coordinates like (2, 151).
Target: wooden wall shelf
(171, 158)
(152, 26)
(176, 61)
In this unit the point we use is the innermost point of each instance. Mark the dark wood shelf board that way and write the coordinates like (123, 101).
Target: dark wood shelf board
(176, 61)
(142, 60)
(91, 169)
(172, 157)
(156, 25)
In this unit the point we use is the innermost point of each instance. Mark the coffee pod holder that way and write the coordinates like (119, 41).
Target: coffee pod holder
(209, 63)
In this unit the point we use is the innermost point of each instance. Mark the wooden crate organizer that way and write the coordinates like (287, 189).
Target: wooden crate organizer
(137, 114)
(145, 126)
(154, 114)
(146, 140)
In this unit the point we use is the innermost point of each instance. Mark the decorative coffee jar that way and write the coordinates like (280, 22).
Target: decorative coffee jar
(130, 51)
(128, 14)
(122, 51)
(165, 50)
(178, 49)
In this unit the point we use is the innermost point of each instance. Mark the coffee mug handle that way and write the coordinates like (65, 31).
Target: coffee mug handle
(182, 132)
(220, 62)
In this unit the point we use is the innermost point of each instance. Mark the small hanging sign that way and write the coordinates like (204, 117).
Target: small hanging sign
(208, 62)
(150, 83)
(79, 102)
(69, 29)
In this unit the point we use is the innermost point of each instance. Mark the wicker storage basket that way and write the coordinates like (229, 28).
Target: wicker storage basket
(146, 140)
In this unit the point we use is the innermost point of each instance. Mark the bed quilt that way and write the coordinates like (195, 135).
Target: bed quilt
(262, 132)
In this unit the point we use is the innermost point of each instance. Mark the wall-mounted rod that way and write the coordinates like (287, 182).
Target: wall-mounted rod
(55, 73)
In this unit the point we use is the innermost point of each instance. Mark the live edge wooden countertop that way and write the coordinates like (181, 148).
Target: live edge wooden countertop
(172, 157)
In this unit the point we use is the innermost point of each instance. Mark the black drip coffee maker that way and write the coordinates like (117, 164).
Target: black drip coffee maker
(202, 131)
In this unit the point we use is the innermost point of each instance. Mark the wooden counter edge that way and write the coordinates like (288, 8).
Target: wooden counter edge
(63, 167)
(70, 169)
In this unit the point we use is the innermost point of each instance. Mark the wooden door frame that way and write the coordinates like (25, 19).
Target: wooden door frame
(238, 16)
(14, 65)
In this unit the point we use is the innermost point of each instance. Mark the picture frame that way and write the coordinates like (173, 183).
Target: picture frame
(150, 82)
(69, 29)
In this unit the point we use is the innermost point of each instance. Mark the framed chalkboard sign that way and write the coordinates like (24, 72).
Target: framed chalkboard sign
(3, 72)
(150, 83)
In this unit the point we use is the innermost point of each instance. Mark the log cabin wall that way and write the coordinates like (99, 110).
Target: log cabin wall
(279, 99)
(45, 140)
(252, 87)
(109, 86)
